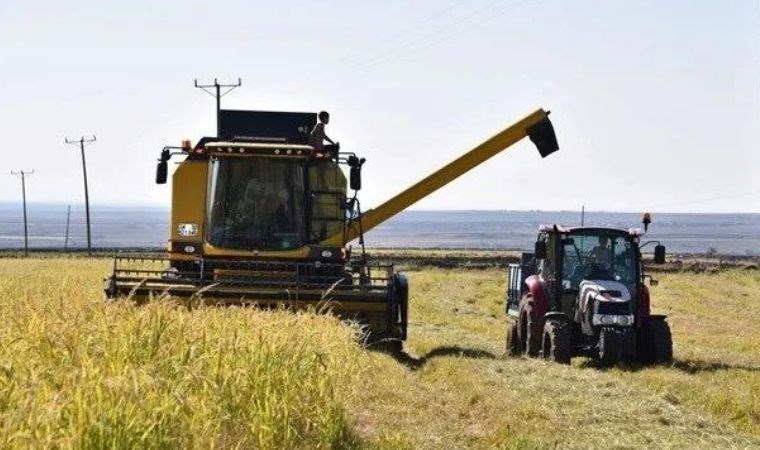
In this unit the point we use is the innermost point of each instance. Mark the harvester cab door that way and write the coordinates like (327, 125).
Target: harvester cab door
(327, 190)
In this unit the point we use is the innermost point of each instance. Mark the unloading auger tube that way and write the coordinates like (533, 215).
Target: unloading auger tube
(535, 125)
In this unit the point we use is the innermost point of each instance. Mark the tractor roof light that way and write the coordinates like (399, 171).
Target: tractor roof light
(646, 219)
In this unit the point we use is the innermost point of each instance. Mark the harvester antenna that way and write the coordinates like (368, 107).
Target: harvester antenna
(82, 142)
(218, 94)
(23, 174)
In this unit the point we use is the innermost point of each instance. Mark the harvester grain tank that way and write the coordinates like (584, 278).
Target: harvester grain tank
(258, 217)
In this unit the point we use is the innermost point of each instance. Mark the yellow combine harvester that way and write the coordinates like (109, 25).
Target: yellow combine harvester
(258, 217)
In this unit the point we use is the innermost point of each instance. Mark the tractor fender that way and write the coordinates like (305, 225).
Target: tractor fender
(536, 287)
(644, 312)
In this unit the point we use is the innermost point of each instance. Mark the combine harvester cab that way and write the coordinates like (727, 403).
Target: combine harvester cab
(259, 218)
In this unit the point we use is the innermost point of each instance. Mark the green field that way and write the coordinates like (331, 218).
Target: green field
(77, 372)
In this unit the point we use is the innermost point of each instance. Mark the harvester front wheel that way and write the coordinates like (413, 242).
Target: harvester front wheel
(656, 342)
(557, 341)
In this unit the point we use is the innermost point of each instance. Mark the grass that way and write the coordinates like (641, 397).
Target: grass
(77, 372)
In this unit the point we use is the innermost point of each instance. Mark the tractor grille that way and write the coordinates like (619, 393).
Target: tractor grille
(614, 308)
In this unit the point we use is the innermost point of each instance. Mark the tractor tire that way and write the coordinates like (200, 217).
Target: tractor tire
(656, 342)
(609, 348)
(514, 346)
(557, 342)
(627, 344)
(531, 327)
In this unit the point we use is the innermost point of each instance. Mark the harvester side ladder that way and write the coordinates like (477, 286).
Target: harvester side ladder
(535, 125)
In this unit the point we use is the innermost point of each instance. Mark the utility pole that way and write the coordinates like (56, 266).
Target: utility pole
(583, 214)
(81, 143)
(218, 94)
(66, 240)
(23, 174)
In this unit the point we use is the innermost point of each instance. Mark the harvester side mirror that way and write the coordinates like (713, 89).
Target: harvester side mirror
(161, 172)
(355, 175)
(540, 250)
(356, 178)
(162, 169)
(659, 254)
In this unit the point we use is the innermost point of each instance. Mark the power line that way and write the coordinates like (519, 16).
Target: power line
(23, 174)
(82, 142)
(710, 199)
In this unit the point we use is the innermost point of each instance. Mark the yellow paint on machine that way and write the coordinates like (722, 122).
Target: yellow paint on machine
(189, 199)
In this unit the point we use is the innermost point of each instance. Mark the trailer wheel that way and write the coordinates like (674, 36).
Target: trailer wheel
(514, 346)
(656, 342)
(557, 340)
(530, 327)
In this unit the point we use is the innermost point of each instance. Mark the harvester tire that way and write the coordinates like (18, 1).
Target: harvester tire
(557, 340)
(531, 328)
(514, 346)
(391, 346)
(656, 342)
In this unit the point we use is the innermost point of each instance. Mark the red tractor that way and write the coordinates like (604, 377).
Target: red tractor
(582, 293)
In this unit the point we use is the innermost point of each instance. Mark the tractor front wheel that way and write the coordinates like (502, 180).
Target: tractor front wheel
(531, 327)
(514, 346)
(557, 342)
(656, 342)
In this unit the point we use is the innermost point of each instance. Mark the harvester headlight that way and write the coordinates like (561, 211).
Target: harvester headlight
(188, 229)
(327, 254)
(189, 249)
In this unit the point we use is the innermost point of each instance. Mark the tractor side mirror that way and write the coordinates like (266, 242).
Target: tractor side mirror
(162, 169)
(540, 250)
(355, 175)
(659, 254)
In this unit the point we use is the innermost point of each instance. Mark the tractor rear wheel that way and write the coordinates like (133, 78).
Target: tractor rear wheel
(557, 342)
(514, 346)
(531, 327)
(656, 342)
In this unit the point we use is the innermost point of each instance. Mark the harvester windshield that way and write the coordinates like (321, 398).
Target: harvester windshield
(598, 256)
(256, 203)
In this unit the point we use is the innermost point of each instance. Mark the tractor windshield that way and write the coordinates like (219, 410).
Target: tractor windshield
(597, 257)
(256, 203)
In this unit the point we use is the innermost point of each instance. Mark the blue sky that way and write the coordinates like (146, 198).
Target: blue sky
(656, 104)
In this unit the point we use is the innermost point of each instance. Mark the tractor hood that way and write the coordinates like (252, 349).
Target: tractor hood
(603, 303)
(605, 290)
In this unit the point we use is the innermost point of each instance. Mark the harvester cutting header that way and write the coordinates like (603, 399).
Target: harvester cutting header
(260, 217)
